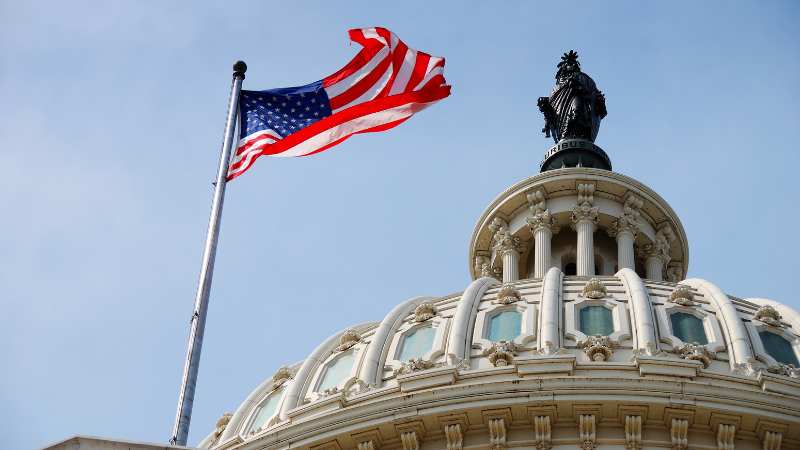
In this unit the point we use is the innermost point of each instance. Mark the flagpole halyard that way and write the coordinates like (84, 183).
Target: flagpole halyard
(180, 431)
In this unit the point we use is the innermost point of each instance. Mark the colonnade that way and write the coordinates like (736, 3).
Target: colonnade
(584, 217)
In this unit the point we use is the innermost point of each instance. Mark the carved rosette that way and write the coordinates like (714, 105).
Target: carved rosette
(501, 353)
(695, 352)
(769, 315)
(348, 339)
(597, 348)
(682, 295)
(424, 311)
(415, 365)
(594, 289)
(507, 295)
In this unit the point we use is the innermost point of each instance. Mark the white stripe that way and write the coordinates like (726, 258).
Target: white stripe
(431, 74)
(371, 92)
(255, 149)
(343, 85)
(257, 135)
(404, 74)
(353, 126)
(371, 33)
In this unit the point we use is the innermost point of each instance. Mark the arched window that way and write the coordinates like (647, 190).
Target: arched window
(505, 326)
(417, 343)
(779, 348)
(336, 371)
(265, 411)
(688, 328)
(596, 321)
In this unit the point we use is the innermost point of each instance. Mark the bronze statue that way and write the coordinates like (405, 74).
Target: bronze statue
(575, 106)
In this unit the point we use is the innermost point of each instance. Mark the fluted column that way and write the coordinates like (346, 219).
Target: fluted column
(542, 227)
(584, 219)
(656, 254)
(506, 246)
(624, 229)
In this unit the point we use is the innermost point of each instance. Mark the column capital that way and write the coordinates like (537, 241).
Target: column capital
(660, 246)
(585, 210)
(502, 240)
(542, 219)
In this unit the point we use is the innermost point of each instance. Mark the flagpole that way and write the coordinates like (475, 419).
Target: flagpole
(183, 417)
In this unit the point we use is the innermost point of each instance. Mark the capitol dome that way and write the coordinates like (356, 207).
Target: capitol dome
(579, 329)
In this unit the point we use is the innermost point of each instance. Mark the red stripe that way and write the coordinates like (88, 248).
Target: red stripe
(362, 85)
(250, 143)
(363, 109)
(437, 80)
(420, 69)
(371, 47)
(397, 62)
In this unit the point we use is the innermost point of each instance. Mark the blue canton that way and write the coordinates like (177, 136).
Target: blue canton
(284, 111)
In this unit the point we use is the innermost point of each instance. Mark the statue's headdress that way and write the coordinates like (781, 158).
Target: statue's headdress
(568, 59)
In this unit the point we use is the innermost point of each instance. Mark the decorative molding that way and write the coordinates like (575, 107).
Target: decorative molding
(537, 201)
(772, 440)
(454, 436)
(281, 376)
(594, 289)
(682, 295)
(330, 445)
(368, 440)
(349, 338)
(786, 370)
(585, 209)
(507, 295)
(483, 267)
(674, 272)
(629, 220)
(409, 440)
(660, 246)
(695, 352)
(222, 424)
(415, 365)
(725, 436)
(543, 433)
(424, 311)
(497, 433)
(597, 348)
(587, 432)
(679, 432)
(768, 315)
(502, 239)
(501, 353)
(633, 432)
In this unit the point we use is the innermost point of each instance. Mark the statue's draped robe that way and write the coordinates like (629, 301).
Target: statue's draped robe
(575, 104)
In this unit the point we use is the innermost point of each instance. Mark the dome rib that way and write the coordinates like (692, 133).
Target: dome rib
(735, 332)
(465, 317)
(642, 310)
(371, 373)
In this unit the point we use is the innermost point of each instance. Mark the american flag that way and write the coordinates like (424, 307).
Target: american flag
(385, 84)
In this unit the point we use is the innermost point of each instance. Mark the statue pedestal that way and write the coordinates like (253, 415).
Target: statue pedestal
(575, 153)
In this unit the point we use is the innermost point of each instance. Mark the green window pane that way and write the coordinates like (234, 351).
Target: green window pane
(266, 410)
(417, 343)
(505, 326)
(336, 371)
(596, 321)
(688, 328)
(779, 348)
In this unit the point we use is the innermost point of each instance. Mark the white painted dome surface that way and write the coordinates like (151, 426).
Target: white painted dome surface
(615, 360)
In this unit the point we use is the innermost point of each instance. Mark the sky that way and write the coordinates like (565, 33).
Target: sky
(111, 120)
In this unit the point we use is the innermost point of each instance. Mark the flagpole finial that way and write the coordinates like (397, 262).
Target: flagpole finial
(239, 68)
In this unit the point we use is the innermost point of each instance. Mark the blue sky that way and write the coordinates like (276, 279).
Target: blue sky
(112, 115)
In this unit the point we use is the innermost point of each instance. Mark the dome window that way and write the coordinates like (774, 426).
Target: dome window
(265, 411)
(688, 328)
(596, 321)
(417, 343)
(505, 326)
(336, 371)
(778, 348)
